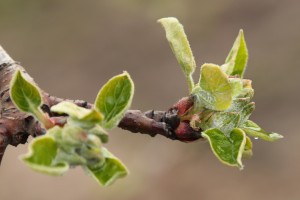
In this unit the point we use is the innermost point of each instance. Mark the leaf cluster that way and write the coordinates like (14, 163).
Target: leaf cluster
(80, 141)
(223, 103)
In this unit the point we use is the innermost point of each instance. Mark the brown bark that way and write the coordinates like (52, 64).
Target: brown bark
(16, 126)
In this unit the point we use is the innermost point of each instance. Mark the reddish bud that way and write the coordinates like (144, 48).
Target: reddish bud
(184, 105)
(185, 133)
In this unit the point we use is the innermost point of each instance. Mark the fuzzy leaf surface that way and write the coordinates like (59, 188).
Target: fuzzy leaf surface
(214, 89)
(179, 44)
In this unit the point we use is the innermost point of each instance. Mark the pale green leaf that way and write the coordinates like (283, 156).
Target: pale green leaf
(100, 132)
(41, 157)
(25, 94)
(215, 91)
(255, 131)
(180, 46)
(110, 171)
(236, 86)
(228, 150)
(114, 99)
(223, 121)
(237, 58)
(88, 117)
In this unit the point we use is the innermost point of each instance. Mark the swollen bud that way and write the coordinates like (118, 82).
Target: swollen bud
(185, 133)
(184, 105)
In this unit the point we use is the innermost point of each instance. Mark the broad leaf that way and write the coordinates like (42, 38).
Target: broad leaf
(228, 150)
(41, 157)
(236, 61)
(114, 99)
(110, 171)
(88, 117)
(255, 131)
(24, 94)
(215, 91)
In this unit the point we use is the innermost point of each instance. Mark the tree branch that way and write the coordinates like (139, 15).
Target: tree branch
(16, 126)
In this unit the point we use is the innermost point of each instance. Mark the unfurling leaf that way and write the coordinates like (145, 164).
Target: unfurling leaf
(76, 112)
(254, 130)
(180, 46)
(228, 149)
(111, 170)
(214, 90)
(237, 58)
(114, 99)
(41, 157)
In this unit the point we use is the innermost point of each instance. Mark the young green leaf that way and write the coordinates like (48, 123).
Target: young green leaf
(41, 156)
(254, 130)
(215, 91)
(236, 86)
(180, 46)
(223, 121)
(228, 150)
(24, 94)
(110, 171)
(27, 98)
(237, 58)
(87, 117)
(114, 99)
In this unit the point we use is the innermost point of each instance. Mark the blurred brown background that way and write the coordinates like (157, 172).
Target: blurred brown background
(72, 47)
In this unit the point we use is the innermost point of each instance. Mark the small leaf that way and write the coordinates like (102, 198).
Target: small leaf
(88, 117)
(254, 130)
(41, 156)
(228, 150)
(236, 61)
(223, 121)
(100, 132)
(114, 99)
(247, 153)
(180, 46)
(236, 86)
(110, 171)
(246, 112)
(24, 94)
(215, 91)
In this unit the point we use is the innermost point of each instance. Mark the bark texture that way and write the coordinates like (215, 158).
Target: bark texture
(16, 126)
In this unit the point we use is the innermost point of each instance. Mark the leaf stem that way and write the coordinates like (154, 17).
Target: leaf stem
(191, 83)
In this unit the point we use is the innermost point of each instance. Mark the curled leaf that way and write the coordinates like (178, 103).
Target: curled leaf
(41, 157)
(228, 149)
(110, 171)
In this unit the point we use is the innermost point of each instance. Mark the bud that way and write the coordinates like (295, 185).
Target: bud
(185, 133)
(184, 105)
